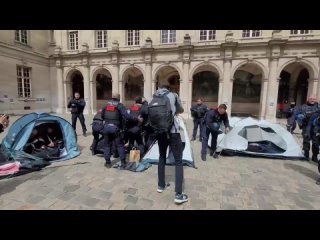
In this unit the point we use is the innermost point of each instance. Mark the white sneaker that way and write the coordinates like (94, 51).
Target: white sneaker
(161, 189)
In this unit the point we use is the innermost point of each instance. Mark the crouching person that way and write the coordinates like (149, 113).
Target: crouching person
(113, 114)
(211, 125)
(97, 129)
(134, 130)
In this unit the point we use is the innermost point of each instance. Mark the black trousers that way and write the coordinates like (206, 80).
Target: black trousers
(75, 116)
(97, 128)
(205, 137)
(197, 122)
(136, 137)
(176, 147)
(149, 141)
(309, 135)
(111, 136)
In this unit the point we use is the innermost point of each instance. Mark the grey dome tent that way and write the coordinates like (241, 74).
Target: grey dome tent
(152, 156)
(258, 138)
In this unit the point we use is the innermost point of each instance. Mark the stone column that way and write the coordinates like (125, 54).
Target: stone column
(65, 91)
(273, 86)
(93, 96)
(220, 93)
(184, 88)
(153, 86)
(86, 77)
(313, 86)
(227, 48)
(147, 87)
(121, 91)
(263, 102)
(318, 86)
(226, 95)
(86, 86)
(115, 67)
(115, 78)
(190, 97)
(60, 90)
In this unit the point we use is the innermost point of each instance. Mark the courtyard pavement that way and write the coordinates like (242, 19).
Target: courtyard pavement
(224, 183)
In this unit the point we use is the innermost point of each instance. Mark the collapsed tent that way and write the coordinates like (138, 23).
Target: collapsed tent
(152, 156)
(14, 145)
(258, 138)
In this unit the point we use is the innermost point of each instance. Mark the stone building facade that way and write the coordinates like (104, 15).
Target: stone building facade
(252, 71)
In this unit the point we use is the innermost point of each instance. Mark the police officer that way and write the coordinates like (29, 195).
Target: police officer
(134, 130)
(149, 136)
(291, 126)
(97, 127)
(113, 114)
(77, 106)
(304, 115)
(211, 124)
(97, 130)
(316, 132)
(197, 112)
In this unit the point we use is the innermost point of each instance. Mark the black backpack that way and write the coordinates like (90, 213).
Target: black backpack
(160, 113)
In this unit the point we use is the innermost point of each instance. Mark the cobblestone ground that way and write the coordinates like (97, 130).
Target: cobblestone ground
(225, 183)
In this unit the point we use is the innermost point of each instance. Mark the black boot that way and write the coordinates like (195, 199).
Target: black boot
(123, 164)
(204, 157)
(211, 152)
(216, 156)
(193, 139)
(93, 151)
(306, 154)
(107, 163)
(85, 133)
(318, 181)
(314, 158)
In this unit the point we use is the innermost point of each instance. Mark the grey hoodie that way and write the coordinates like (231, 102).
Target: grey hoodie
(176, 106)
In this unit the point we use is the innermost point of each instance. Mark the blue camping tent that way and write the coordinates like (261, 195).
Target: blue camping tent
(20, 131)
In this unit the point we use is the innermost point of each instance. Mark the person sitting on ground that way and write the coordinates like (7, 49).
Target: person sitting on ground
(52, 138)
(35, 142)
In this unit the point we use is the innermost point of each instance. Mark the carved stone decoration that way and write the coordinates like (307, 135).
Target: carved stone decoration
(58, 63)
(229, 36)
(299, 57)
(187, 39)
(85, 47)
(276, 34)
(115, 45)
(24, 61)
(57, 50)
(250, 59)
(148, 43)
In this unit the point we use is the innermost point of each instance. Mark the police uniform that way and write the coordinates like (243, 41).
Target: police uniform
(198, 112)
(77, 106)
(211, 125)
(97, 127)
(149, 135)
(304, 115)
(134, 130)
(113, 114)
